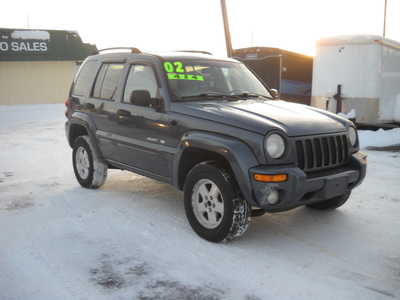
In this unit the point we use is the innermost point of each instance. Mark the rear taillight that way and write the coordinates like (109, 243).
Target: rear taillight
(67, 106)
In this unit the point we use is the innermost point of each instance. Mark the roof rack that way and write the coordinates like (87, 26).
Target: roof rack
(132, 49)
(195, 51)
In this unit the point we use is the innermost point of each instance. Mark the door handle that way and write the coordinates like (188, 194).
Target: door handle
(173, 122)
(88, 106)
(123, 113)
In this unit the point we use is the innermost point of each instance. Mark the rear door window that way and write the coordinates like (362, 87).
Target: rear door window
(107, 81)
(99, 81)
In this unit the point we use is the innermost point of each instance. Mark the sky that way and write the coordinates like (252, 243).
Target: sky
(162, 25)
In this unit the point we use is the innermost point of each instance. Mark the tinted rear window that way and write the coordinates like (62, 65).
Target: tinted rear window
(84, 82)
(107, 81)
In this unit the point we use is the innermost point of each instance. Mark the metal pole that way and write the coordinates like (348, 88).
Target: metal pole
(226, 28)
(384, 20)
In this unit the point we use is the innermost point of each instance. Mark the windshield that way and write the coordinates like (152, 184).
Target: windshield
(196, 80)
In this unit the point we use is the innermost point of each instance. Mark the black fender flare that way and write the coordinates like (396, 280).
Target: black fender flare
(85, 121)
(239, 155)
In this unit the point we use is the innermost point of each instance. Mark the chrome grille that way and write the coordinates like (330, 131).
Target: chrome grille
(322, 152)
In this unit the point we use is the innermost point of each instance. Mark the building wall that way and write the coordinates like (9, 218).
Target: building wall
(389, 106)
(370, 77)
(35, 82)
(357, 68)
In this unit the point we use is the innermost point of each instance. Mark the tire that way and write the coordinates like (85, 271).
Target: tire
(224, 215)
(89, 170)
(331, 203)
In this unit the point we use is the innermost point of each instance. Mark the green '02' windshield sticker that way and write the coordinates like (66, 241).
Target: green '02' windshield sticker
(176, 70)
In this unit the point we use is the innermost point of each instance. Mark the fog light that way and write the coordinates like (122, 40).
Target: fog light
(273, 197)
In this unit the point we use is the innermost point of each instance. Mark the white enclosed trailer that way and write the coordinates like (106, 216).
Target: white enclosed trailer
(366, 71)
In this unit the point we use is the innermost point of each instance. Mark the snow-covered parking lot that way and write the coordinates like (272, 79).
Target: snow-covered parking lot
(130, 239)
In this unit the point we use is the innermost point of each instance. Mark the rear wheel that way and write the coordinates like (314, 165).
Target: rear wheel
(331, 203)
(89, 170)
(214, 207)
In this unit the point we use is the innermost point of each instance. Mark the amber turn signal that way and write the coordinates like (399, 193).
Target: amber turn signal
(271, 178)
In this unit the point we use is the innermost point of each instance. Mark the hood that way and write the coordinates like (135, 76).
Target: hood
(262, 116)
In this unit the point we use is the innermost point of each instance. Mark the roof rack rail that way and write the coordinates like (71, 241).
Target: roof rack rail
(132, 49)
(195, 51)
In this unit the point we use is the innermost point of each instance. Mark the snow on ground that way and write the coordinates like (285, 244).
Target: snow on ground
(379, 138)
(130, 239)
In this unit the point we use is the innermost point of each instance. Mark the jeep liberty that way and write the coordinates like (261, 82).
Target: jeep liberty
(212, 129)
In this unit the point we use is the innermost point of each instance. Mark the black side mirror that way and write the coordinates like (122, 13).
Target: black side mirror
(140, 98)
(143, 98)
(274, 93)
(155, 103)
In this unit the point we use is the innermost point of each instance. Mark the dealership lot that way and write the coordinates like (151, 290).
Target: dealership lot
(130, 239)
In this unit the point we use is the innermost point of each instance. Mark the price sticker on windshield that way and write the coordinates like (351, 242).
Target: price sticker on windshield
(176, 71)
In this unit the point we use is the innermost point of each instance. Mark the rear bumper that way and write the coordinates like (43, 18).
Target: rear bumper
(301, 189)
(66, 127)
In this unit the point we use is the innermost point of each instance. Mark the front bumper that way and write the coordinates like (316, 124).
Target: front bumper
(301, 188)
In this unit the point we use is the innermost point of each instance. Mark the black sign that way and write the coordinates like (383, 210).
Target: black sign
(39, 45)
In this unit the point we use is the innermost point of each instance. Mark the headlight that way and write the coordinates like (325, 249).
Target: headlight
(275, 145)
(352, 136)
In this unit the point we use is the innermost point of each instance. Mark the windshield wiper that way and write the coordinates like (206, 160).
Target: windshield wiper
(230, 97)
(208, 95)
(251, 95)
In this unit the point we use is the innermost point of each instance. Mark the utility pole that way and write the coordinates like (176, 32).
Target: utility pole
(384, 20)
(226, 28)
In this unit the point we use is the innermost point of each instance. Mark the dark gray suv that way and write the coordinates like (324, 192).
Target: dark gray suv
(211, 128)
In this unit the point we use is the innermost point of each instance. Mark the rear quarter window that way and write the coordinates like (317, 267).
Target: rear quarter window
(85, 78)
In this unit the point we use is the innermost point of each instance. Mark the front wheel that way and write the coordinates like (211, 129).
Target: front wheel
(331, 203)
(214, 207)
(89, 170)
